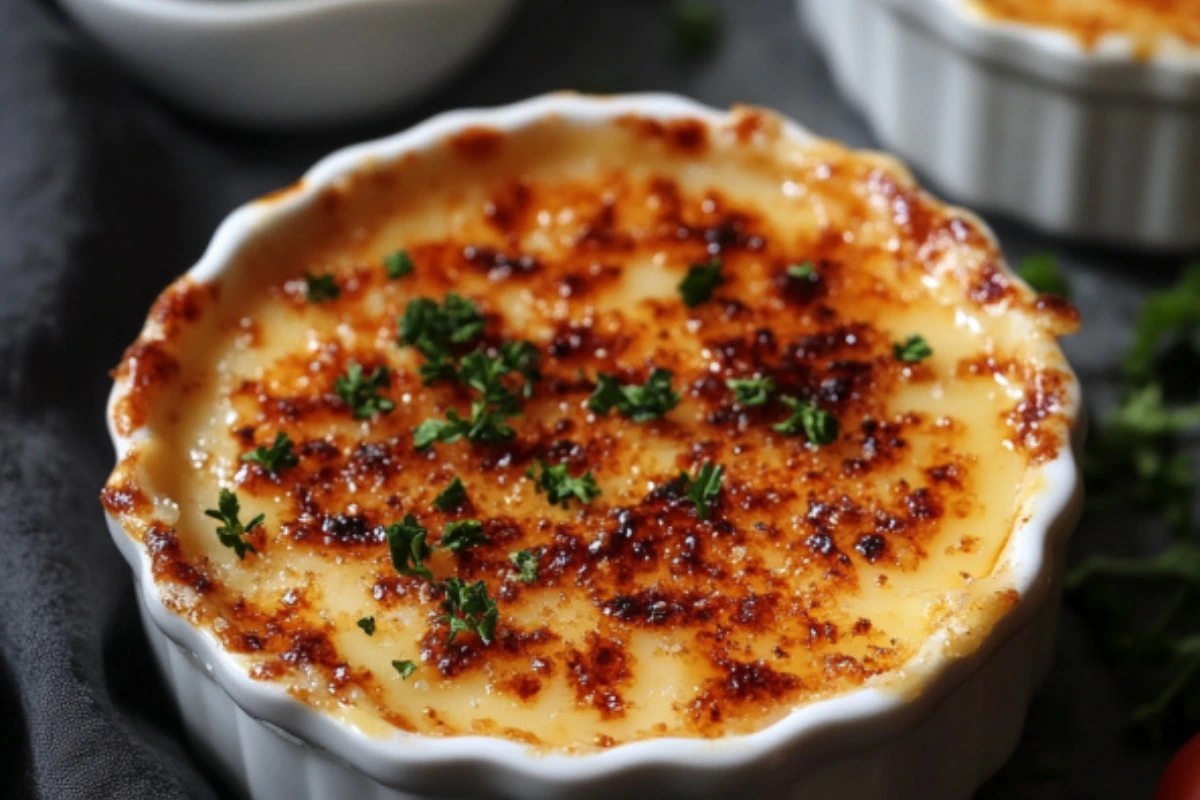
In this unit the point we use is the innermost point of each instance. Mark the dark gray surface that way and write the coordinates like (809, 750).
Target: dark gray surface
(106, 194)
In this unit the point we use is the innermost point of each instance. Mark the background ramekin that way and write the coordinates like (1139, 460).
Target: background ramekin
(283, 63)
(1097, 145)
(940, 742)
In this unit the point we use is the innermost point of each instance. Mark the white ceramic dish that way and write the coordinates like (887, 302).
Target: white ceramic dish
(1090, 144)
(284, 63)
(872, 743)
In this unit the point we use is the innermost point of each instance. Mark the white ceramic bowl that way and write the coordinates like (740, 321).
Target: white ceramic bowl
(282, 63)
(1092, 144)
(938, 743)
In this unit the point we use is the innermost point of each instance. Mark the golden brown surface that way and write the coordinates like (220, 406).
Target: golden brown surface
(818, 568)
(1147, 22)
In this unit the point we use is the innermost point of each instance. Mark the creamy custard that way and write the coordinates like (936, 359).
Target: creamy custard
(815, 567)
(1147, 22)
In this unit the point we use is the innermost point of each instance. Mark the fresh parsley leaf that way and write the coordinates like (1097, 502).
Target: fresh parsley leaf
(561, 487)
(398, 264)
(485, 426)
(361, 392)
(1179, 562)
(638, 403)
(1173, 314)
(449, 430)
(805, 271)
(231, 530)
(696, 27)
(527, 565)
(703, 488)
(452, 498)
(751, 391)
(912, 350)
(433, 329)
(818, 426)
(319, 288)
(408, 543)
(469, 609)
(463, 535)
(1044, 275)
(405, 668)
(700, 283)
(368, 625)
(276, 458)
(1134, 456)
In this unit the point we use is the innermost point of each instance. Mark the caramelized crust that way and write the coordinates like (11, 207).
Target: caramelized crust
(1147, 22)
(816, 569)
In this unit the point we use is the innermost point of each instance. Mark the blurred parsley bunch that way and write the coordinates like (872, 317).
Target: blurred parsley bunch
(1145, 611)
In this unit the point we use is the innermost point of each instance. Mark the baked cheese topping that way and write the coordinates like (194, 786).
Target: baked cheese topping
(1148, 22)
(582, 435)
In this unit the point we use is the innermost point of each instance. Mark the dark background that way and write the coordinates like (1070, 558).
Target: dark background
(106, 195)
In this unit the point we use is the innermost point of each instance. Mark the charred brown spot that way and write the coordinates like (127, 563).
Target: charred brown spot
(684, 136)
(147, 367)
(124, 497)
(477, 143)
(168, 562)
(596, 673)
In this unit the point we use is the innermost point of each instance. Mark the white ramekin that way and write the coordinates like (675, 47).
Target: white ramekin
(284, 63)
(940, 742)
(1094, 144)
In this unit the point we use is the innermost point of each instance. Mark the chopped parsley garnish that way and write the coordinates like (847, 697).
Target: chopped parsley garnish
(435, 328)
(398, 264)
(700, 283)
(806, 271)
(1044, 275)
(751, 391)
(912, 350)
(486, 425)
(231, 531)
(818, 426)
(276, 458)
(452, 498)
(408, 542)
(361, 392)
(463, 535)
(469, 609)
(485, 373)
(319, 288)
(638, 403)
(1167, 320)
(405, 668)
(527, 565)
(696, 27)
(703, 488)
(368, 625)
(1141, 458)
(560, 487)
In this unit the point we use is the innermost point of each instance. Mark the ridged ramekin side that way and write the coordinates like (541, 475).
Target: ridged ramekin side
(1072, 162)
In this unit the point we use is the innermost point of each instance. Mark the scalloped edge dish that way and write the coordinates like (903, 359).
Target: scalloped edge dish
(1098, 143)
(939, 741)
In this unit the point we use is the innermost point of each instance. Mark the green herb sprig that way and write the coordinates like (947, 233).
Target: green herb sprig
(700, 282)
(360, 391)
(469, 608)
(703, 488)
(276, 458)
(231, 531)
(643, 403)
(818, 425)
(1139, 458)
(751, 391)
(560, 487)
(320, 288)
(912, 350)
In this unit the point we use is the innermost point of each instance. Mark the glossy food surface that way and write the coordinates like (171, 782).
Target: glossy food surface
(1147, 22)
(867, 485)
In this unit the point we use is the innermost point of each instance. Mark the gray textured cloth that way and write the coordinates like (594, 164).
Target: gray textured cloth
(106, 194)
